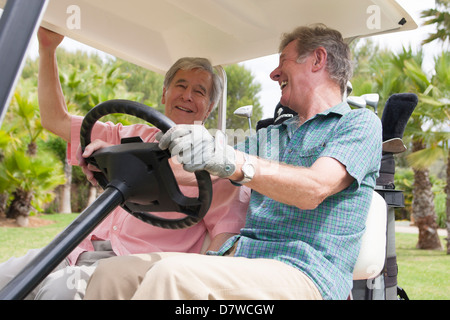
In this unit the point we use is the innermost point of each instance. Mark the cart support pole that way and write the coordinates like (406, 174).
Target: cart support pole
(49, 258)
(18, 24)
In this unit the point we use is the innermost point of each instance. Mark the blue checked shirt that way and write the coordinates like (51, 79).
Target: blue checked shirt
(323, 243)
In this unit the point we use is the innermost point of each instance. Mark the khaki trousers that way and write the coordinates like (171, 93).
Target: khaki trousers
(197, 277)
(65, 282)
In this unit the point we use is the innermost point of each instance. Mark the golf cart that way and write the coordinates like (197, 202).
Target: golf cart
(226, 32)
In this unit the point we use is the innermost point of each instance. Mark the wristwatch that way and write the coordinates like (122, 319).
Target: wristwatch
(248, 169)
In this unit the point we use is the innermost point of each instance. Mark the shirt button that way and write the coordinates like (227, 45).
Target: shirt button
(115, 228)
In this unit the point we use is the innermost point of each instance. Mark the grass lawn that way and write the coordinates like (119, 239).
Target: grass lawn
(424, 274)
(15, 242)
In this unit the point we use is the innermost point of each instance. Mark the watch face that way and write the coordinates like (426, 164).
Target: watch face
(249, 170)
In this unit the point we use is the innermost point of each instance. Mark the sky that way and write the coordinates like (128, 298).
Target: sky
(261, 67)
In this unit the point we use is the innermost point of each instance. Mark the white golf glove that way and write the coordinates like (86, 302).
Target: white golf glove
(197, 149)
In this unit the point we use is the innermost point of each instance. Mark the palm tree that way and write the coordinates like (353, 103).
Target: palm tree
(424, 139)
(102, 83)
(31, 178)
(391, 73)
(5, 140)
(442, 80)
(25, 172)
(86, 81)
(439, 116)
(439, 17)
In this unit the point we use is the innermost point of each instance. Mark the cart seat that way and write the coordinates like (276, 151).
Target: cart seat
(373, 247)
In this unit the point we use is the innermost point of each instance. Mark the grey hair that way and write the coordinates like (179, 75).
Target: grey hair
(188, 63)
(339, 64)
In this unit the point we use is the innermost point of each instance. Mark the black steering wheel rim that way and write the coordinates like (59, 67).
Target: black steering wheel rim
(195, 213)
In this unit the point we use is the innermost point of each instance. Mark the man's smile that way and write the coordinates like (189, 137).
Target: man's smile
(183, 109)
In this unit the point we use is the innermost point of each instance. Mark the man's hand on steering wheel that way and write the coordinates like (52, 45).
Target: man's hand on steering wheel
(87, 168)
(195, 148)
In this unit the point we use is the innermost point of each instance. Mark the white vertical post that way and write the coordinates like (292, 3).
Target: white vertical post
(222, 112)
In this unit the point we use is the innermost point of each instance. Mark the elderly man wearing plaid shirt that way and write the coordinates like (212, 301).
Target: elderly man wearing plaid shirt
(312, 178)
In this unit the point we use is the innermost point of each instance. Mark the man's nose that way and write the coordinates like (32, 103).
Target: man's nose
(275, 74)
(187, 94)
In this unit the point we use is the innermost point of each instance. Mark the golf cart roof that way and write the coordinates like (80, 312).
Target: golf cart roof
(154, 34)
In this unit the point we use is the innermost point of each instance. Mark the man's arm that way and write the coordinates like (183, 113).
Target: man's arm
(52, 105)
(302, 187)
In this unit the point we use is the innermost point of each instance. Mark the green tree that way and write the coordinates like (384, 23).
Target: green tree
(32, 178)
(420, 133)
(71, 83)
(438, 115)
(5, 141)
(440, 17)
(26, 173)
(146, 82)
(85, 85)
(242, 90)
(392, 73)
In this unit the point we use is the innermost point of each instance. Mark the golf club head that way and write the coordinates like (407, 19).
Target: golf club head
(357, 102)
(349, 88)
(245, 111)
(372, 100)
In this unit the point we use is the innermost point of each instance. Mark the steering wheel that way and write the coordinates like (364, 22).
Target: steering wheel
(141, 171)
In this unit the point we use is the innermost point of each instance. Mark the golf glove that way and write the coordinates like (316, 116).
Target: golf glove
(197, 149)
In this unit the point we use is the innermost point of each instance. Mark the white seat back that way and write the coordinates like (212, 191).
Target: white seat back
(373, 248)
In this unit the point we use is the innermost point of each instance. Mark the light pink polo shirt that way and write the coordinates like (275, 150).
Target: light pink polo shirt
(129, 235)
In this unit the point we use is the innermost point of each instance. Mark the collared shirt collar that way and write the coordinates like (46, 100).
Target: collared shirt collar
(339, 109)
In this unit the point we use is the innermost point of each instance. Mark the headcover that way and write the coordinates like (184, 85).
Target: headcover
(281, 114)
(396, 113)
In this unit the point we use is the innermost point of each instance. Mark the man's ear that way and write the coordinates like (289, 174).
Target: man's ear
(320, 59)
(211, 107)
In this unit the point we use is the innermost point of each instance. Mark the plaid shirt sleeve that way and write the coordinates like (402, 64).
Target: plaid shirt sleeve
(356, 143)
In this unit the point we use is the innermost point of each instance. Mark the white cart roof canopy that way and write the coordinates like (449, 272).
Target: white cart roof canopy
(155, 33)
